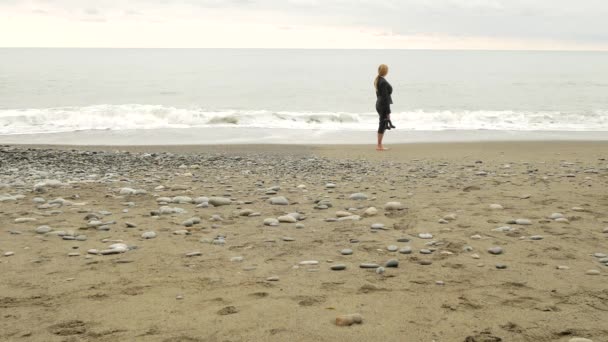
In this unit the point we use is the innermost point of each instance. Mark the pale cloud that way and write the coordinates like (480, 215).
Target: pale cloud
(492, 24)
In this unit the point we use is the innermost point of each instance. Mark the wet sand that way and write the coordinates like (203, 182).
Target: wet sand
(548, 283)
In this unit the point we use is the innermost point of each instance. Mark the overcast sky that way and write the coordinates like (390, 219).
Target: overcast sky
(436, 24)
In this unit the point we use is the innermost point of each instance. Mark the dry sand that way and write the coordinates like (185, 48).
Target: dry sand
(154, 292)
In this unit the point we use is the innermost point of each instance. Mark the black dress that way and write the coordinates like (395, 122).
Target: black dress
(383, 103)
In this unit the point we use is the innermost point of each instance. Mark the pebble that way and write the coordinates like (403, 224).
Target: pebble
(496, 207)
(338, 267)
(346, 251)
(593, 272)
(348, 320)
(43, 229)
(148, 235)
(271, 222)
(501, 266)
(476, 237)
(495, 250)
(300, 226)
(393, 263)
(406, 250)
(273, 278)
(380, 270)
(288, 239)
(536, 237)
(425, 236)
(439, 282)
(7, 254)
(193, 254)
(371, 211)
(237, 259)
(287, 219)
(392, 248)
(425, 251)
(280, 200)
(219, 201)
(523, 222)
(555, 216)
(579, 339)
(390, 206)
(359, 196)
(425, 262)
(378, 226)
(330, 186)
(73, 254)
(561, 267)
(309, 263)
(25, 219)
(368, 265)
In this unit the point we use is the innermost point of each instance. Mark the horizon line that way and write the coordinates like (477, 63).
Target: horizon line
(296, 48)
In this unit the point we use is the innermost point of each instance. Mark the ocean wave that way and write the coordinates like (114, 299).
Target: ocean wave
(137, 117)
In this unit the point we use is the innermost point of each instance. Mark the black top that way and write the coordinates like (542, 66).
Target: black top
(383, 93)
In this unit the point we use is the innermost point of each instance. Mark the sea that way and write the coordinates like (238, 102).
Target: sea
(249, 95)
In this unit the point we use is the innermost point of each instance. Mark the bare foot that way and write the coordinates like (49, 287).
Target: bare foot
(381, 148)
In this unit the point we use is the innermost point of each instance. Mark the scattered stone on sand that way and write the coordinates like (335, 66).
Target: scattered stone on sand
(7, 254)
(368, 265)
(579, 339)
(228, 310)
(371, 211)
(287, 219)
(495, 250)
(425, 236)
(271, 222)
(338, 267)
(148, 235)
(348, 320)
(593, 272)
(359, 196)
(501, 266)
(495, 206)
(309, 263)
(43, 229)
(393, 263)
(523, 222)
(219, 201)
(392, 248)
(406, 250)
(273, 278)
(280, 200)
(346, 251)
(391, 206)
(193, 254)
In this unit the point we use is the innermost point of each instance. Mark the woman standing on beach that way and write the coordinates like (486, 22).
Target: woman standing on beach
(383, 104)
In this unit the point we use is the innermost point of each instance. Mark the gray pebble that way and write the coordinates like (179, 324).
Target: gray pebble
(148, 235)
(393, 263)
(495, 250)
(338, 267)
(346, 251)
(406, 250)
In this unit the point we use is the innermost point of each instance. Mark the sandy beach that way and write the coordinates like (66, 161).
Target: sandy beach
(475, 242)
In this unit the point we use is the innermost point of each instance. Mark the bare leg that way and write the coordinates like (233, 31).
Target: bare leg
(380, 147)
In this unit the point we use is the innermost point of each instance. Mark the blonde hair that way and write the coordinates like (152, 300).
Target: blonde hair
(382, 71)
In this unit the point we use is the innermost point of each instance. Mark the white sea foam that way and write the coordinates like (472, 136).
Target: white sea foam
(142, 117)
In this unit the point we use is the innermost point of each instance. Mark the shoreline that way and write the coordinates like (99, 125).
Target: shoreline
(240, 136)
